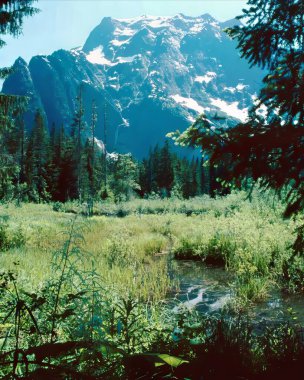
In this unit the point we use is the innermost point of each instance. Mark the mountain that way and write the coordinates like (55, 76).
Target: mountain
(155, 74)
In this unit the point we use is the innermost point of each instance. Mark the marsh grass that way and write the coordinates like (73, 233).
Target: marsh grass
(89, 302)
(250, 239)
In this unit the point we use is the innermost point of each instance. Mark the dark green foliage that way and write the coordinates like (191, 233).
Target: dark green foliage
(55, 165)
(10, 239)
(167, 174)
(47, 164)
(4, 241)
(77, 129)
(12, 13)
(67, 178)
(123, 181)
(11, 108)
(37, 158)
(12, 139)
(192, 346)
(266, 148)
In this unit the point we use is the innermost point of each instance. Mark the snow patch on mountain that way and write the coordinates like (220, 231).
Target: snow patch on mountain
(241, 86)
(188, 102)
(196, 28)
(158, 23)
(126, 31)
(156, 74)
(230, 89)
(96, 56)
(128, 59)
(230, 109)
(119, 43)
(205, 78)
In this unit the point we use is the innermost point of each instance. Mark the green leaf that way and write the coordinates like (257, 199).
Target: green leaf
(158, 360)
(173, 361)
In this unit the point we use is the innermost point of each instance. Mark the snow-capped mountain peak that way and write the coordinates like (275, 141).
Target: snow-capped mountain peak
(157, 74)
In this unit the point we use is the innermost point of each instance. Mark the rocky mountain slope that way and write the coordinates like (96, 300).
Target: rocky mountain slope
(155, 74)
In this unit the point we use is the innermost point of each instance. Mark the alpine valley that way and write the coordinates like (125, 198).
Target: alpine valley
(148, 75)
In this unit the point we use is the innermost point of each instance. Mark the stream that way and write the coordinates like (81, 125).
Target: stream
(207, 290)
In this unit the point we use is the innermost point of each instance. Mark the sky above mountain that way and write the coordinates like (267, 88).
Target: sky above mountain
(66, 23)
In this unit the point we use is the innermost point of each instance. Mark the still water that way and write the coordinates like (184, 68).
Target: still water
(208, 290)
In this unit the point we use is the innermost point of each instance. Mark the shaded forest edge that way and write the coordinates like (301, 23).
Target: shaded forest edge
(59, 166)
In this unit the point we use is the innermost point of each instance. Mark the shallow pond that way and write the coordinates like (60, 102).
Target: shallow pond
(207, 290)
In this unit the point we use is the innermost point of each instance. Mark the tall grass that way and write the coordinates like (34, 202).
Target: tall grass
(250, 239)
(78, 323)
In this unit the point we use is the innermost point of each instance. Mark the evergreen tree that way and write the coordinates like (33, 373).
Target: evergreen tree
(177, 185)
(54, 162)
(267, 148)
(143, 178)
(205, 176)
(77, 128)
(195, 177)
(91, 159)
(185, 178)
(124, 178)
(67, 180)
(15, 144)
(12, 13)
(154, 171)
(12, 141)
(37, 157)
(164, 170)
(87, 174)
(8, 174)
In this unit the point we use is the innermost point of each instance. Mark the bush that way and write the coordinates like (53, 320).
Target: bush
(18, 239)
(11, 240)
(4, 240)
(293, 273)
(58, 206)
(188, 249)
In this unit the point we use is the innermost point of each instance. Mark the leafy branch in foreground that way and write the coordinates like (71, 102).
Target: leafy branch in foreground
(12, 14)
(268, 147)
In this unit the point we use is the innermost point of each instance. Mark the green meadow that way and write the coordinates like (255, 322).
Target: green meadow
(89, 294)
(130, 244)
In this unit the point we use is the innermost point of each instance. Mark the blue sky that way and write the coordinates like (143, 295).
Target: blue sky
(67, 23)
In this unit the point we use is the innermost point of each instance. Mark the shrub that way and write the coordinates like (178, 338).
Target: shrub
(58, 206)
(119, 252)
(18, 239)
(293, 273)
(4, 240)
(188, 248)
(9, 240)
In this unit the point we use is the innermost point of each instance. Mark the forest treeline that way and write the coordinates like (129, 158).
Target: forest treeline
(59, 165)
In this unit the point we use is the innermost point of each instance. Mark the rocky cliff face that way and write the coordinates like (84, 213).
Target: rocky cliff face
(156, 74)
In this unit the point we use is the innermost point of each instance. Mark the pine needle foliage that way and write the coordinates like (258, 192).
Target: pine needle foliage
(12, 13)
(269, 145)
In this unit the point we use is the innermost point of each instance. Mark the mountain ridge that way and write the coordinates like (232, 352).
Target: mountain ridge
(156, 74)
